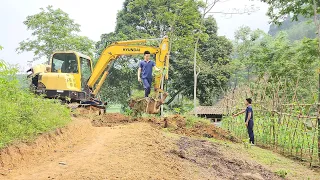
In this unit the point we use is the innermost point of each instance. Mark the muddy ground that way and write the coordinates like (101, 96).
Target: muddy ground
(208, 155)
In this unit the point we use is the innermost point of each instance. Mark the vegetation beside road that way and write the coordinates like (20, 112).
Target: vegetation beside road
(24, 115)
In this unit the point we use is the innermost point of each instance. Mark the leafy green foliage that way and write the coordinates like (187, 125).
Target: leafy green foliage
(53, 30)
(214, 64)
(192, 120)
(23, 115)
(282, 173)
(281, 8)
(260, 55)
(181, 106)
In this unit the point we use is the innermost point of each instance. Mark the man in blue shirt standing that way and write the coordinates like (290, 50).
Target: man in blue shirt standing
(248, 118)
(146, 67)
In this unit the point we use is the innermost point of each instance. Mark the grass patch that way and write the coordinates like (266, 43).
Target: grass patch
(24, 115)
(192, 120)
(281, 173)
(114, 108)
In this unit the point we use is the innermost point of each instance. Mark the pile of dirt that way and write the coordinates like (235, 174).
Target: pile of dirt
(199, 129)
(207, 155)
(110, 120)
(178, 124)
(209, 131)
(175, 123)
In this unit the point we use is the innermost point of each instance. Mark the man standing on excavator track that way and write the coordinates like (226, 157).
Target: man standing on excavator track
(146, 67)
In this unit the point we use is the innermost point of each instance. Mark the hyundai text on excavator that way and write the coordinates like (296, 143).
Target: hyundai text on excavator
(71, 77)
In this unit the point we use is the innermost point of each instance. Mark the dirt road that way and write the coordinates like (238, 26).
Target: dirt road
(128, 151)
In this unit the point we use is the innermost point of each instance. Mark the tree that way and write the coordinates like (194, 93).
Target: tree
(279, 9)
(154, 19)
(214, 58)
(206, 9)
(53, 30)
(278, 60)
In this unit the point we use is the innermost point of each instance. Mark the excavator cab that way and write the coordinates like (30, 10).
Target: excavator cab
(72, 63)
(66, 78)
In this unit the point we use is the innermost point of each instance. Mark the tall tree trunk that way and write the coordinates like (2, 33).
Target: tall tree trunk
(195, 61)
(206, 10)
(195, 77)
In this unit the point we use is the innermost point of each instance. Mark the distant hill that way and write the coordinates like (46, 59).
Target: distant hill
(296, 30)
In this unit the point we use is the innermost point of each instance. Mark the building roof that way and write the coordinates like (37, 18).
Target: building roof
(209, 110)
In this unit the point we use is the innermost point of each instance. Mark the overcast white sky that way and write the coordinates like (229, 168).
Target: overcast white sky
(97, 17)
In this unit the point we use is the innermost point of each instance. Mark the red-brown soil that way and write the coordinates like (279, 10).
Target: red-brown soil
(137, 150)
(174, 123)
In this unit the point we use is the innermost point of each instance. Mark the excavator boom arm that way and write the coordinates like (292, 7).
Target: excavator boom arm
(113, 51)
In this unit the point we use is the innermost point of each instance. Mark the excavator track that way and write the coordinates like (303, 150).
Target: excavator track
(91, 106)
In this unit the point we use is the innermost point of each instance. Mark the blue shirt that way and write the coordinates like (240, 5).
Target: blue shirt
(249, 109)
(146, 68)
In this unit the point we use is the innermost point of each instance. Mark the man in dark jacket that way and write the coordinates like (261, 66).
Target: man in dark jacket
(248, 118)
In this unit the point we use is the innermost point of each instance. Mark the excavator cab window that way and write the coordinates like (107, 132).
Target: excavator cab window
(85, 71)
(64, 63)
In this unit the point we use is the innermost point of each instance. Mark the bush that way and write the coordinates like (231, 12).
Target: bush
(183, 107)
(24, 115)
(192, 120)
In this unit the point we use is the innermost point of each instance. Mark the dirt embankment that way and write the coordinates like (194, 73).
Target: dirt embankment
(175, 123)
(24, 154)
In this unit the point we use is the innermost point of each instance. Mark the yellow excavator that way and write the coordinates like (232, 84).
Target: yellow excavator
(71, 77)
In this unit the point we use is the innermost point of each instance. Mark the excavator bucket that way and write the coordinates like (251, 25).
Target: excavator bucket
(100, 108)
(147, 105)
